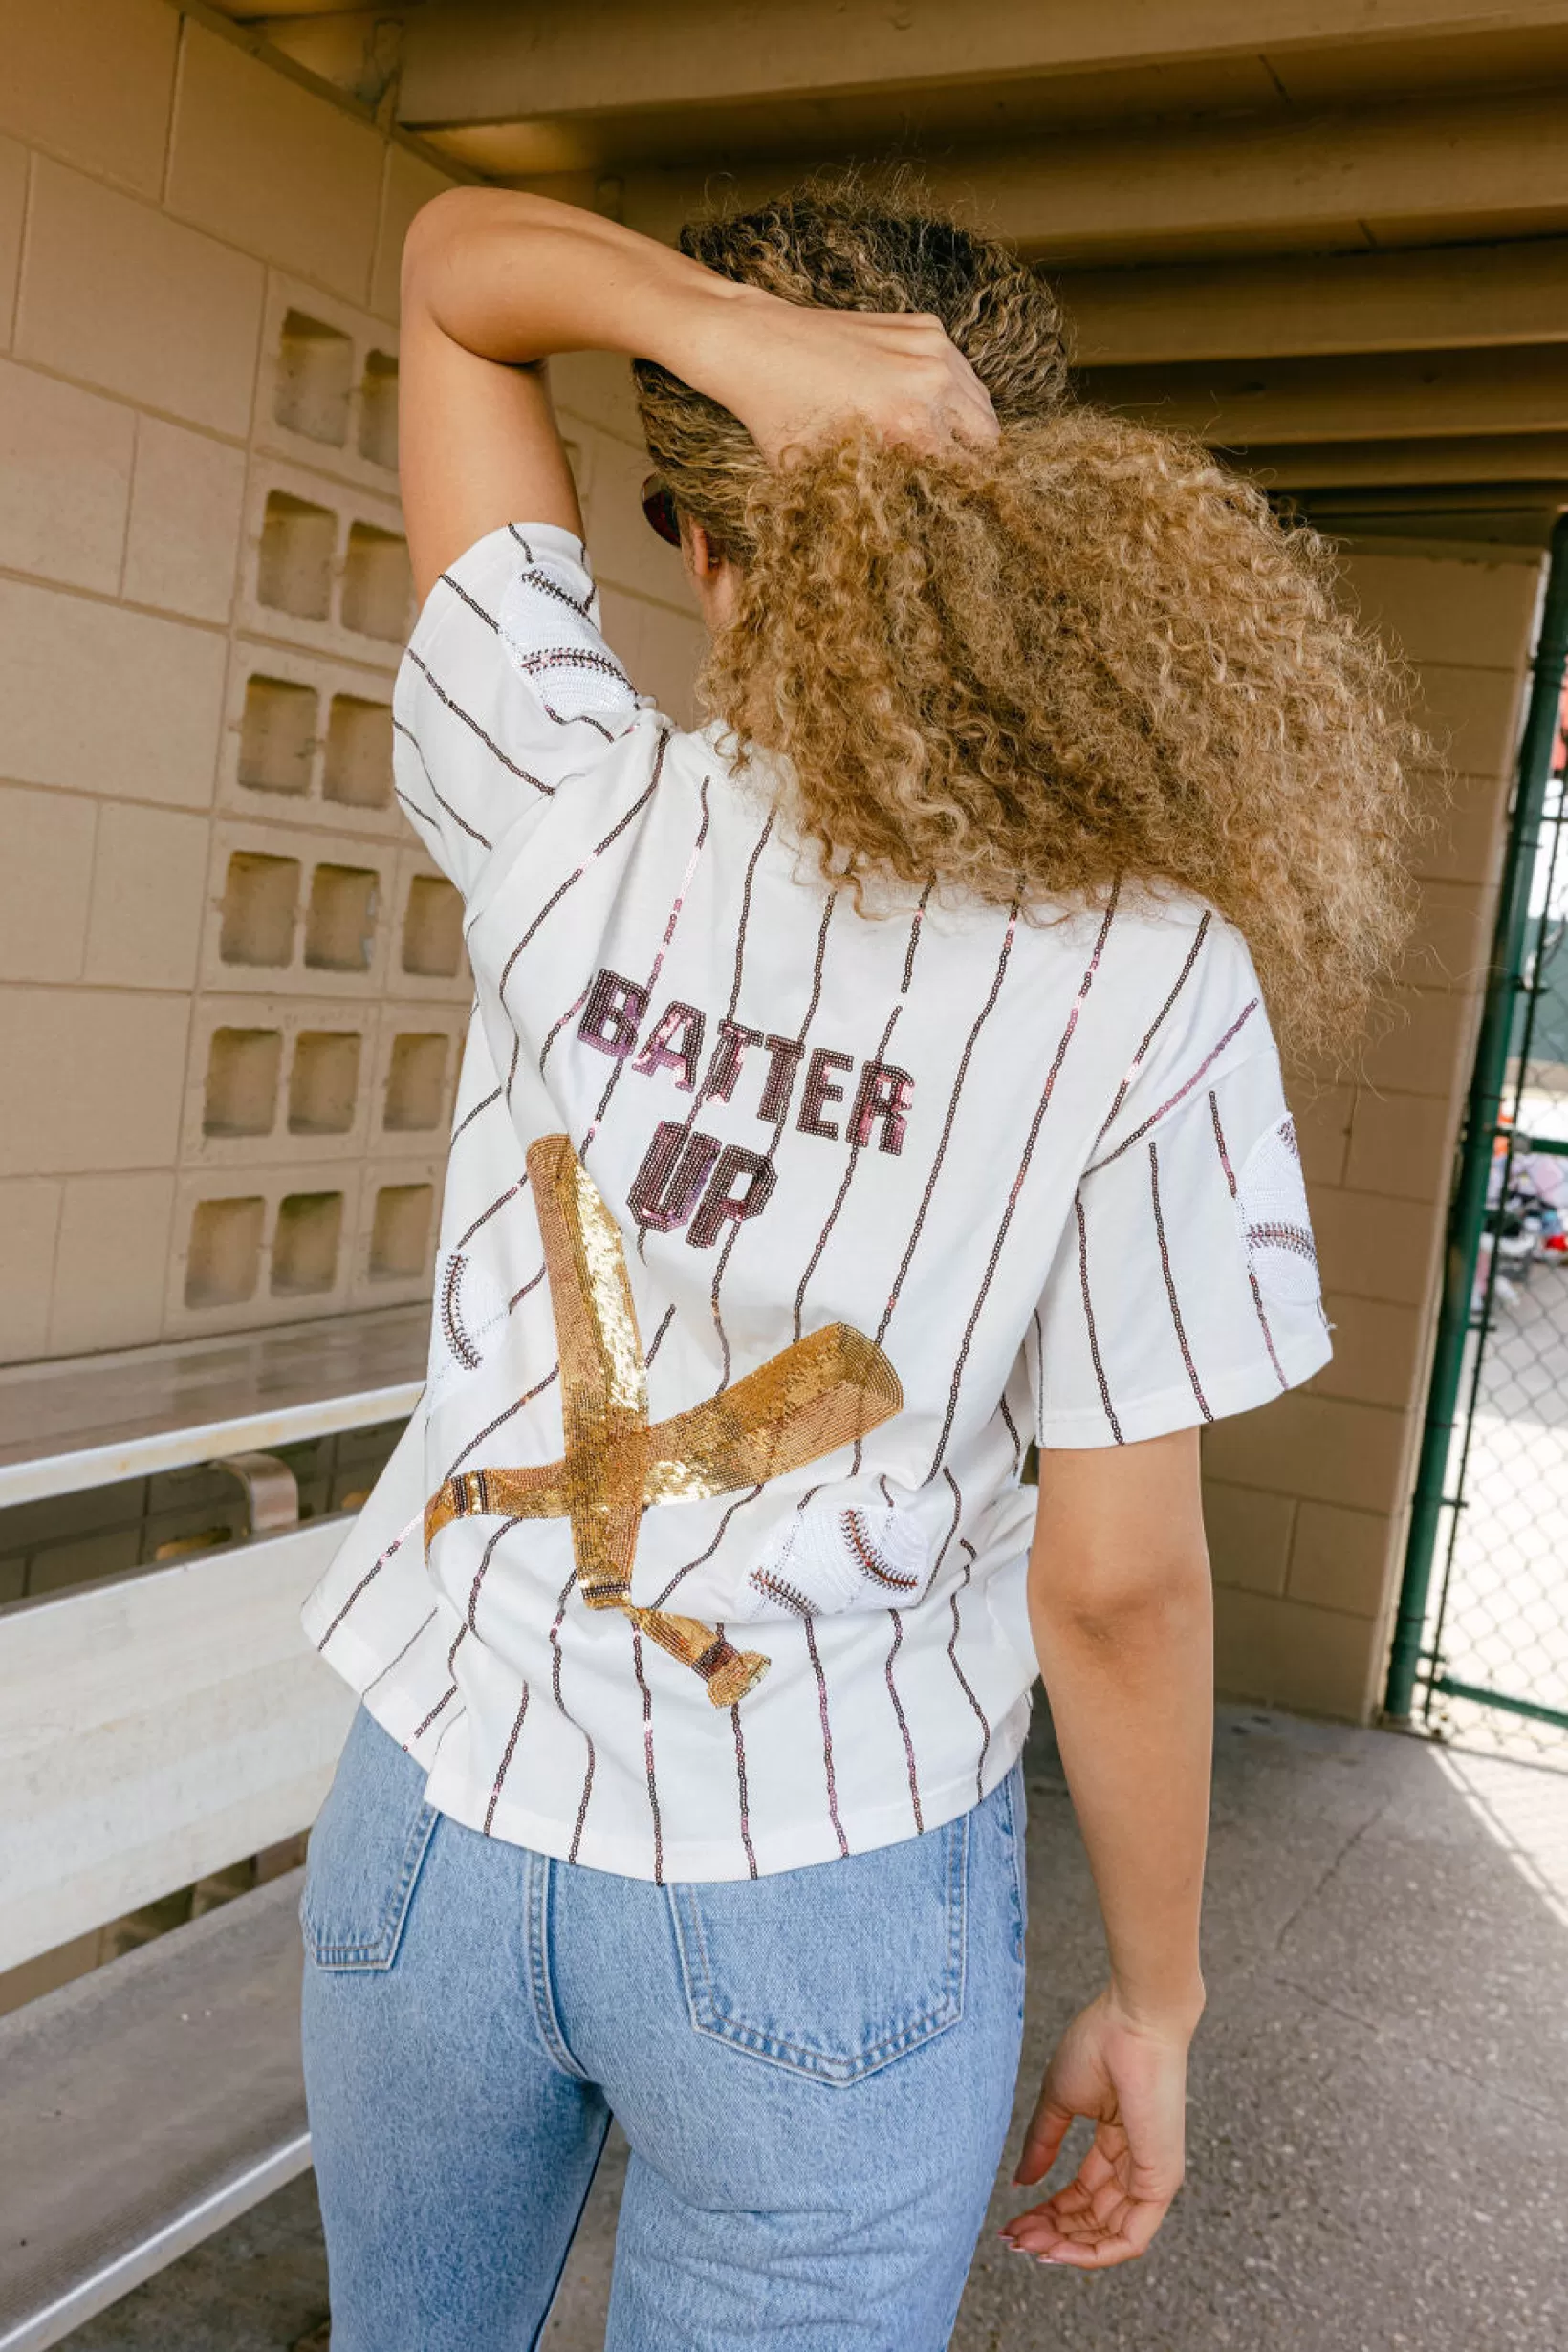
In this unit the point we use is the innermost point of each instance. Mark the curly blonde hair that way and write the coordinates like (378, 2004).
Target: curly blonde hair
(1087, 653)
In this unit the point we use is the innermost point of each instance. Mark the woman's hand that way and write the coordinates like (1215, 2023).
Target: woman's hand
(1131, 2077)
(793, 375)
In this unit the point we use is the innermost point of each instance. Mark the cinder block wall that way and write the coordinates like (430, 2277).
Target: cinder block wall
(1308, 1498)
(232, 989)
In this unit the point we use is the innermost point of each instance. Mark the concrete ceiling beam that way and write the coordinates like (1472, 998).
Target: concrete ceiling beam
(1537, 462)
(487, 61)
(1434, 395)
(1444, 297)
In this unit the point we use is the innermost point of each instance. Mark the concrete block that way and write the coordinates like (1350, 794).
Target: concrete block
(109, 1268)
(298, 913)
(327, 391)
(395, 1232)
(595, 388)
(1469, 827)
(1320, 1662)
(1402, 1145)
(60, 1566)
(13, 210)
(626, 552)
(262, 1244)
(1424, 1041)
(29, 1217)
(1370, 1247)
(409, 182)
(98, 699)
(261, 160)
(428, 956)
(185, 535)
(65, 480)
(671, 653)
(1452, 936)
(46, 873)
(1343, 1560)
(94, 81)
(1473, 716)
(1379, 1352)
(307, 740)
(324, 567)
(1314, 1446)
(117, 294)
(1323, 1129)
(91, 1080)
(1248, 1535)
(1447, 609)
(148, 898)
(281, 1079)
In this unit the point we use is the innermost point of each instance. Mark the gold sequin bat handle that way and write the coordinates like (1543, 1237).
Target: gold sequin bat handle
(824, 1392)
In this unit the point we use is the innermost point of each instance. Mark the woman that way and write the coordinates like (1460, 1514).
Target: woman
(858, 1090)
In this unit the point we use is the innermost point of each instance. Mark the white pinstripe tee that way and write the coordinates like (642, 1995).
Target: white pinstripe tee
(1045, 1166)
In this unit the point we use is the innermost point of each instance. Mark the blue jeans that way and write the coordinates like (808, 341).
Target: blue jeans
(814, 2071)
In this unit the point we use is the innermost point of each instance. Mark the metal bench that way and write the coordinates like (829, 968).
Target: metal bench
(155, 1727)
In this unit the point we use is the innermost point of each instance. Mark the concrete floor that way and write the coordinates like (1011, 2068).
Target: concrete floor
(1380, 2102)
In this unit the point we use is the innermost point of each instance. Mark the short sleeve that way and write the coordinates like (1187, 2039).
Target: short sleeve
(1186, 1285)
(508, 693)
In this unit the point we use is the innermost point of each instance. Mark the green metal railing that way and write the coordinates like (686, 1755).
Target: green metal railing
(1412, 1662)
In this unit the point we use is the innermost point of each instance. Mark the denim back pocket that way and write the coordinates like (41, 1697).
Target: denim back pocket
(836, 1970)
(365, 1853)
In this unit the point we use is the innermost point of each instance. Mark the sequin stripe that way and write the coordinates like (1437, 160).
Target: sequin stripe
(456, 814)
(472, 724)
(1090, 971)
(681, 1573)
(493, 1210)
(440, 1709)
(740, 1783)
(483, 1569)
(981, 1018)
(652, 981)
(555, 1688)
(647, 1758)
(815, 1656)
(904, 1727)
(1089, 1323)
(964, 1682)
(369, 1578)
(512, 533)
(657, 1340)
(856, 1147)
(537, 579)
(1183, 1091)
(506, 1754)
(1154, 1028)
(468, 1117)
(1252, 1273)
(733, 1235)
(401, 1655)
(570, 1014)
(475, 606)
(532, 1284)
(700, 1097)
(953, 1524)
(1013, 1432)
(500, 1420)
(1170, 1283)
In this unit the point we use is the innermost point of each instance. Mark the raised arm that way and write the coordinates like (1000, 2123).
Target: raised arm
(494, 282)
(1121, 1609)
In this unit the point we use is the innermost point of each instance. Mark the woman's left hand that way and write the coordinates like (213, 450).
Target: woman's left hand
(1130, 2076)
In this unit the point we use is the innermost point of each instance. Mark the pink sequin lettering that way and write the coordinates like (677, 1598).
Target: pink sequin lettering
(611, 1016)
(740, 1187)
(676, 1043)
(674, 1170)
(820, 1091)
(886, 1094)
(729, 1054)
(784, 1060)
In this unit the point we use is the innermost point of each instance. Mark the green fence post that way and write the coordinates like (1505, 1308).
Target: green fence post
(1467, 1215)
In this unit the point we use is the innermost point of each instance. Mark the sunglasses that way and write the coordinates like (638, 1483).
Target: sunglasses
(659, 509)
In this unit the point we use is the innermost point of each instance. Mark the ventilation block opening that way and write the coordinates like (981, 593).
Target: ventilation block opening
(399, 1231)
(416, 1084)
(293, 571)
(258, 908)
(324, 1082)
(310, 1226)
(433, 928)
(277, 736)
(358, 765)
(315, 378)
(225, 1256)
(379, 410)
(340, 925)
(377, 586)
(242, 1071)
